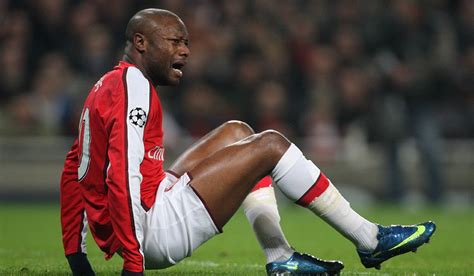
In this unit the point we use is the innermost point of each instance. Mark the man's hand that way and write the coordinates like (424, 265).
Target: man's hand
(79, 265)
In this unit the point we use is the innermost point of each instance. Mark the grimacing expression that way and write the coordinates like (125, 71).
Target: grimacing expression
(167, 52)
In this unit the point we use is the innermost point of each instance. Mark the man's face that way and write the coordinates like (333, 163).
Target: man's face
(167, 52)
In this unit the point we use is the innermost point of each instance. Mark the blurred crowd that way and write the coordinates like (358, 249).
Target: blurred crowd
(324, 68)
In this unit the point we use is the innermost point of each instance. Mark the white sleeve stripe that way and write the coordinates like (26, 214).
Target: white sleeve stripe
(138, 98)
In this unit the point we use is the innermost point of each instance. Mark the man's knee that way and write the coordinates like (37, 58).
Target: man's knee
(272, 141)
(238, 129)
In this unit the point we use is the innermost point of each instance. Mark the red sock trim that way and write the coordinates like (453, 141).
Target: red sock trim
(263, 183)
(321, 184)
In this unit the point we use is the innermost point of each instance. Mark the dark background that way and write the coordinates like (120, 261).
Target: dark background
(380, 94)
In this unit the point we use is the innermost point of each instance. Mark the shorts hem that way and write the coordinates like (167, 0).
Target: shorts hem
(173, 173)
(219, 229)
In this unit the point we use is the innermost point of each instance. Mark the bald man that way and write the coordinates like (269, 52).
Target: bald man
(114, 182)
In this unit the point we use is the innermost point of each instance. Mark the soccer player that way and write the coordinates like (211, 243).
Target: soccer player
(113, 178)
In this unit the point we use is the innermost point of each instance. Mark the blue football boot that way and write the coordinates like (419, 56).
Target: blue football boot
(304, 264)
(395, 240)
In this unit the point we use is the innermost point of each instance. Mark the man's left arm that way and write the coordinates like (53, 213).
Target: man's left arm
(73, 216)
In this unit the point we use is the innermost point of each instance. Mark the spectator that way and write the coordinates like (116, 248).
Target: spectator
(325, 64)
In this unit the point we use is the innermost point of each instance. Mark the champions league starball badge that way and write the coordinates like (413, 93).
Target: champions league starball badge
(137, 116)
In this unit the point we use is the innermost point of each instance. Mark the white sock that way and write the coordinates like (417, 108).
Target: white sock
(301, 181)
(336, 210)
(261, 211)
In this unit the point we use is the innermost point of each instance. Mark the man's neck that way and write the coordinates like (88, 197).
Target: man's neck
(127, 58)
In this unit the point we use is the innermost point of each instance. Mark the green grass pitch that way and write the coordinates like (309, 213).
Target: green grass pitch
(30, 244)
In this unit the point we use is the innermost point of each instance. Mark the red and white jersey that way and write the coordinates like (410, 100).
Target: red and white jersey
(116, 164)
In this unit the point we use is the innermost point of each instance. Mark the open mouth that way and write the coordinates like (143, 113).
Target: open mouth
(177, 66)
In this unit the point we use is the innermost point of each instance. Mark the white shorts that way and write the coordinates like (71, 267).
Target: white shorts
(176, 225)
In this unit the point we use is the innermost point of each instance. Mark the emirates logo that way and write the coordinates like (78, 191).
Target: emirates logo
(157, 153)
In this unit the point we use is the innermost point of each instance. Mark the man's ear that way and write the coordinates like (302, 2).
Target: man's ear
(139, 42)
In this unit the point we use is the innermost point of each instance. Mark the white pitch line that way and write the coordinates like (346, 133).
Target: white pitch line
(251, 266)
(214, 264)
